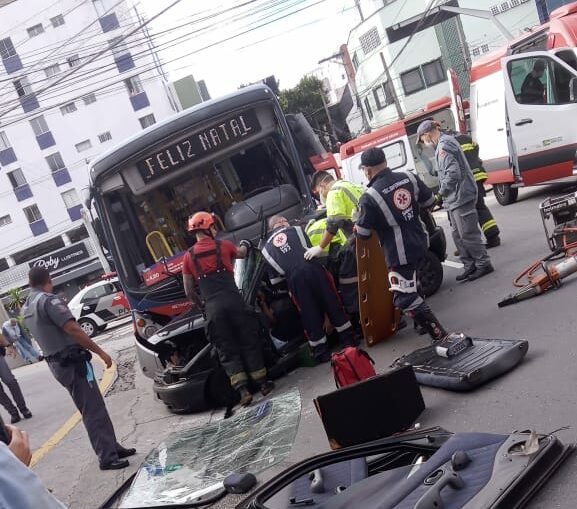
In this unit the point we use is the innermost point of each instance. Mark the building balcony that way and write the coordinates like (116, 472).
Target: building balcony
(7, 156)
(45, 140)
(74, 212)
(23, 192)
(61, 177)
(38, 227)
(109, 22)
(12, 64)
(29, 103)
(124, 62)
(139, 101)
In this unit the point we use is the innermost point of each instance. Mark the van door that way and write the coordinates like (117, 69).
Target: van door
(540, 91)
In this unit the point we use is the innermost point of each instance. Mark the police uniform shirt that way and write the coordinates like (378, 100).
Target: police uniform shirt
(45, 314)
(391, 206)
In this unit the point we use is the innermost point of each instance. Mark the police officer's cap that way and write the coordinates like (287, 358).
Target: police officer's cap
(373, 157)
(426, 127)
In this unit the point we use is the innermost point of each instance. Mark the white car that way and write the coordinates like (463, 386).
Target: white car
(95, 306)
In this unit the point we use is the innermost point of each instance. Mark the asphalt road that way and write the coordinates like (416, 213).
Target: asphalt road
(539, 394)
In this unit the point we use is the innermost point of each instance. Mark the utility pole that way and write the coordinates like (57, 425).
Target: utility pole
(328, 114)
(358, 5)
(477, 13)
(391, 87)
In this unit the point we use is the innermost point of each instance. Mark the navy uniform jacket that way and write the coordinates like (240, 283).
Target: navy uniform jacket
(285, 248)
(391, 206)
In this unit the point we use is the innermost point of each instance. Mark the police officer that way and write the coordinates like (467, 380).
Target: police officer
(391, 206)
(486, 221)
(8, 379)
(67, 348)
(458, 191)
(341, 199)
(230, 327)
(310, 284)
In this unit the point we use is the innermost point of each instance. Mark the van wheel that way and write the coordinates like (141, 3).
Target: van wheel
(505, 194)
(429, 274)
(88, 326)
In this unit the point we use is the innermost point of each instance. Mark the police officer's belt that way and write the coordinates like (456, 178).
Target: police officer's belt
(69, 356)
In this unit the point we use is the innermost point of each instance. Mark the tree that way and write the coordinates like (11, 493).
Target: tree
(16, 299)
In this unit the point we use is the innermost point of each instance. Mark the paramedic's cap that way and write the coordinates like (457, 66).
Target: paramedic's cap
(426, 127)
(373, 157)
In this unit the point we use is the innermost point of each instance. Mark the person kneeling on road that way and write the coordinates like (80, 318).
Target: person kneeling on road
(390, 206)
(311, 286)
(67, 348)
(458, 191)
(230, 327)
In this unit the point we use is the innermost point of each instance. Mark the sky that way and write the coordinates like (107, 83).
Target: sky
(289, 46)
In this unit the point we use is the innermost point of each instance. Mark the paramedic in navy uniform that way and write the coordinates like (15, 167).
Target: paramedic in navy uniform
(390, 206)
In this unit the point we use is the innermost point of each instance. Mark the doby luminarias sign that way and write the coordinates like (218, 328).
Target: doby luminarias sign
(200, 144)
(62, 258)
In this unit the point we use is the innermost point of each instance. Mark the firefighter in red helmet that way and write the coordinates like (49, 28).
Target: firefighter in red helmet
(209, 282)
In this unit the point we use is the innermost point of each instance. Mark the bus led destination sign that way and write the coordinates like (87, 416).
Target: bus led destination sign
(197, 145)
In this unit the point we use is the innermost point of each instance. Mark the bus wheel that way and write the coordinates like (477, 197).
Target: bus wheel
(429, 274)
(505, 194)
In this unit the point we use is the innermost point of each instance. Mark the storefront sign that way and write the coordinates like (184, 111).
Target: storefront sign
(197, 145)
(62, 258)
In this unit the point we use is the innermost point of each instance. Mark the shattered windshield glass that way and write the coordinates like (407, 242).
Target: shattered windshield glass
(193, 460)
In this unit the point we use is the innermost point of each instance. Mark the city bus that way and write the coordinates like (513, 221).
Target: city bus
(235, 157)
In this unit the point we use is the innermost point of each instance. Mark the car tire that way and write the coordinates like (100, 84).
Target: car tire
(505, 194)
(88, 326)
(429, 274)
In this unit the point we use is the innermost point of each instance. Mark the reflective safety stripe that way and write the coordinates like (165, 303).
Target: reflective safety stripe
(365, 232)
(321, 341)
(415, 304)
(237, 379)
(414, 182)
(348, 280)
(379, 200)
(272, 262)
(480, 175)
(341, 187)
(301, 236)
(468, 146)
(344, 326)
(487, 225)
(310, 233)
(259, 374)
(276, 280)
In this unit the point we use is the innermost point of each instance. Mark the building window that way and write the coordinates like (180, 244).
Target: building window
(368, 108)
(51, 70)
(104, 137)
(433, 72)
(147, 121)
(73, 61)
(370, 40)
(35, 30)
(103, 6)
(89, 99)
(383, 96)
(133, 85)
(57, 21)
(39, 125)
(412, 81)
(422, 77)
(4, 220)
(4, 143)
(55, 162)
(515, 3)
(70, 198)
(485, 48)
(22, 87)
(355, 60)
(476, 52)
(504, 6)
(17, 178)
(120, 49)
(32, 213)
(7, 48)
(68, 108)
(494, 10)
(83, 145)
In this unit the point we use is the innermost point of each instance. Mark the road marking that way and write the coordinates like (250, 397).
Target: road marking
(108, 377)
(454, 265)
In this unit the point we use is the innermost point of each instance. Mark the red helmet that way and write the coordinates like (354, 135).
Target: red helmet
(200, 221)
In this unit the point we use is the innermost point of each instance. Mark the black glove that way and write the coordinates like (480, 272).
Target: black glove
(245, 243)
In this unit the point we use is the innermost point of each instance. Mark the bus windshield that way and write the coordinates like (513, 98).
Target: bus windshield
(241, 181)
